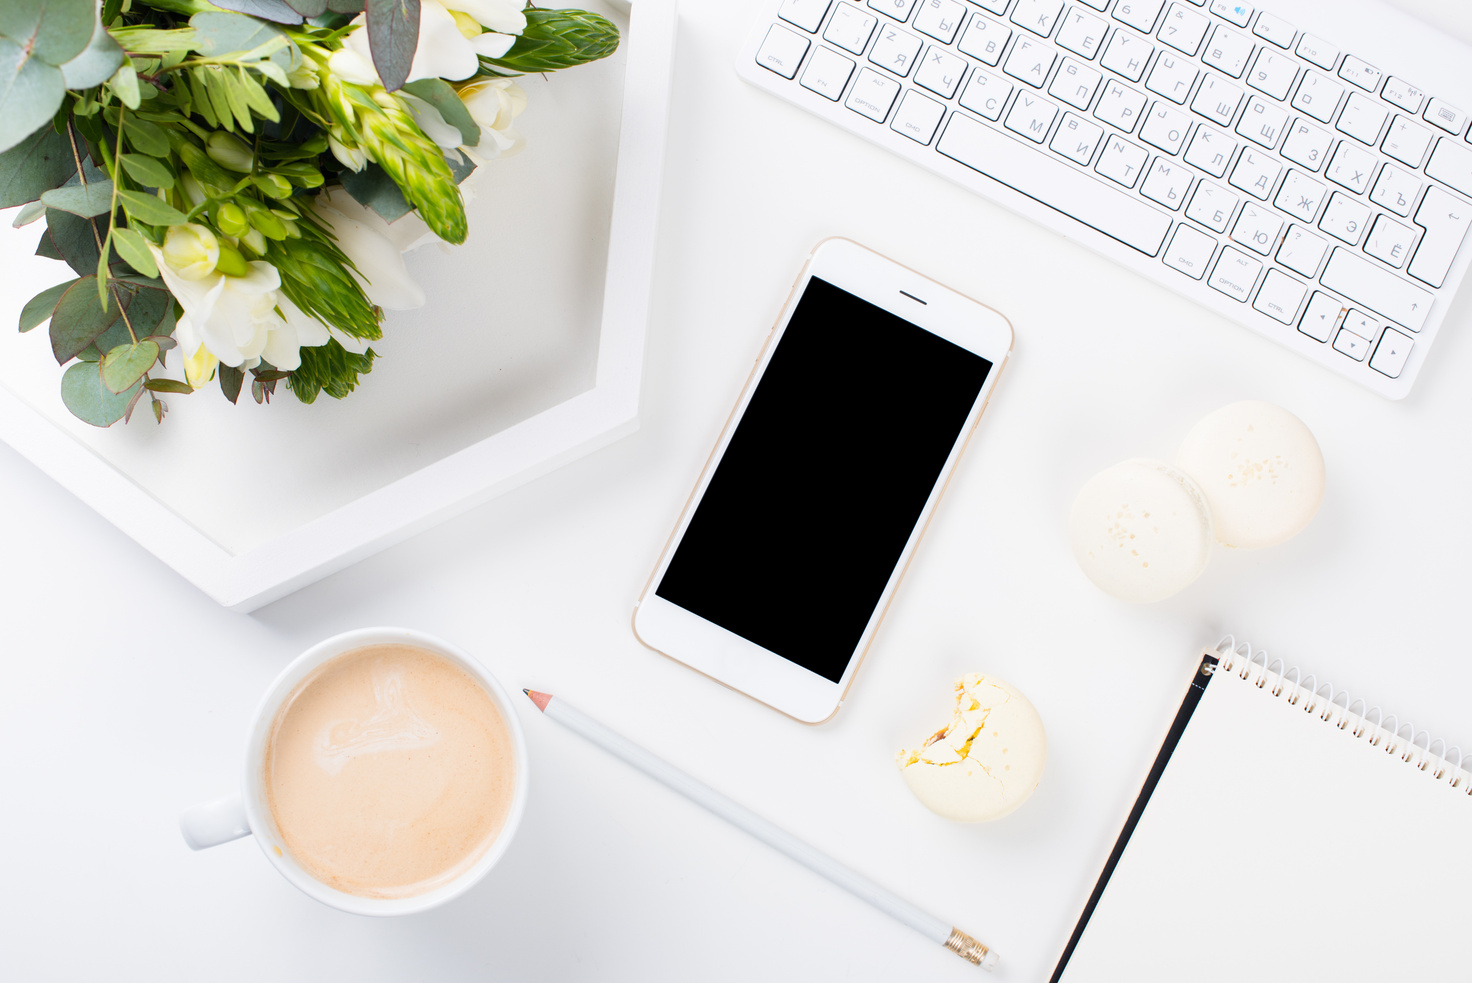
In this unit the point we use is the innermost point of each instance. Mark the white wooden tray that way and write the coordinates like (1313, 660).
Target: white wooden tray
(527, 356)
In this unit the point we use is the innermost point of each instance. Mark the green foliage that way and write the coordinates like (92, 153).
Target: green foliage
(443, 97)
(38, 163)
(125, 365)
(98, 62)
(92, 402)
(72, 239)
(80, 318)
(150, 209)
(39, 307)
(393, 33)
(87, 200)
(329, 368)
(556, 39)
(133, 248)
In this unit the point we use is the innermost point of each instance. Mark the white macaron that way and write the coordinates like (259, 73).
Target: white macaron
(1141, 530)
(1261, 470)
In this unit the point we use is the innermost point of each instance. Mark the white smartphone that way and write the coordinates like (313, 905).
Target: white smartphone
(821, 484)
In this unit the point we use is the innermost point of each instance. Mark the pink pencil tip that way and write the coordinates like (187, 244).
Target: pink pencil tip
(540, 699)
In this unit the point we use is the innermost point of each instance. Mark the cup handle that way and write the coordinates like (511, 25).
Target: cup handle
(214, 822)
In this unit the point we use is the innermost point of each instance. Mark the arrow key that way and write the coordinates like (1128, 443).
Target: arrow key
(1391, 354)
(1351, 344)
(1322, 314)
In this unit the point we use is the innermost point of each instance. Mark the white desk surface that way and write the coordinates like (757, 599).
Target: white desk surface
(126, 691)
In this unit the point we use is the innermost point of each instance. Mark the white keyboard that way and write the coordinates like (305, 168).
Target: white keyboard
(1313, 193)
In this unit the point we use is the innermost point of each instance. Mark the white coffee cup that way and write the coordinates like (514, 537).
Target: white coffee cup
(246, 812)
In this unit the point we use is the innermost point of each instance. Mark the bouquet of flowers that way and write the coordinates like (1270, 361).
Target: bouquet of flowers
(219, 176)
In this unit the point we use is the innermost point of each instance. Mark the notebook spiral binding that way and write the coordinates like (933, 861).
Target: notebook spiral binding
(1415, 747)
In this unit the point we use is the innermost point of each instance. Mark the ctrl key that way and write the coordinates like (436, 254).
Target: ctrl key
(782, 51)
(1391, 354)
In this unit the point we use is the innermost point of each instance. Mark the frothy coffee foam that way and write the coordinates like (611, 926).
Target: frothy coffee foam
(389, 772)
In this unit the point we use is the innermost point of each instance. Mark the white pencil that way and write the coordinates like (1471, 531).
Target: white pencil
(926, 924)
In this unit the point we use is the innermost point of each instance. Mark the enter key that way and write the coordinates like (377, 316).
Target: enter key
(1445, 219)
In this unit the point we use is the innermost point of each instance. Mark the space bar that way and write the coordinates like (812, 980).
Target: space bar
(1055, 184)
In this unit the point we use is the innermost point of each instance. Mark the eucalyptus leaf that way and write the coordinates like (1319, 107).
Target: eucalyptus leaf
(39, 307)
(28, 213)
(220, 34)
(97, 63)
(30, 90)
(146, 137)
(442, 96)
(230, 382)
(124, 366)
(89, 400)
(374, 189)
(346, 6)
(146, 308)
(309, 8)
(86, 200)
(79, 319)
(38, 163)
(55, 31)
(73, 239)
(460, 169)
(273, 10)
(393, 34)
(147, 171)
(168, 386)
(125, 85)
(150, 210)
(132, 247)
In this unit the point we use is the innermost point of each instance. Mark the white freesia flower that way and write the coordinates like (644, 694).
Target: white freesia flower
(375, 247)
(445, 49)
(504, 16)
(430, 120)
(494, 104)
(352, 64)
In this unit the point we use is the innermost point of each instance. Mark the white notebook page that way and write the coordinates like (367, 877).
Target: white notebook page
(1277, 846)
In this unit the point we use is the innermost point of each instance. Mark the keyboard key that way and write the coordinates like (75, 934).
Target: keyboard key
(1228, 51)
(1096, 4)
(1217, 100)
(1076, 139)
(827, 73)
(1211, 150)
(1255, 173)
(1307, 145)
(940, 19)
(895, 50)
(1165, 128)
(1190, 251)
(1055, 184)
(1031, 116)
(1237, 13)
(1351, 344)
(1075, 83)
(1172, 77)
(1235, 274)
(1321, 316)
(898, 9)
(1120, 106)
(1139, 14)
(1360, 323)
(1321, 53)
(986, 94)
(1360, 72)
(1395, 190)
(1345, 218)
(1030, 62)
(1262, 122)
(782, 51)
(997, 7)
(1300, 196)
(1275, 29)
(1037, 16)
(1401, 93)
(1212, 206)
(1257, 228)
(984, 40)
(1183, 30)
(1445, 115)
(1302, 252)
(1352, 167)
(1082, 33)
(806, 14)
(1273, 73)
(1121, 162)
(1362, 118)
(1279, 297)
(1372, 285)
(940, 71)
(1445, 220)
(1407, 141)
(1451, 164)
(1391, 354)
(1391, 241)
(1127, 55)
(1318, 96)
(917, 117)
(1167, 183)
(850, 28)
(872, 95)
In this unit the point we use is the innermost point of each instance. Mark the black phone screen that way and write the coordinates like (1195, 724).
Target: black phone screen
(824, 479)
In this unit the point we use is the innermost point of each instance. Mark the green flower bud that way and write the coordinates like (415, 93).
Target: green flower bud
(231, 262)
(301, 173)
(272, 185)
(255, 242)
(269, 225)
(230, 219)
(191, 250)
(230, 152)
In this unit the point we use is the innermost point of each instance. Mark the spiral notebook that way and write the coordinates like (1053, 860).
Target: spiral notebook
(1285, 832)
